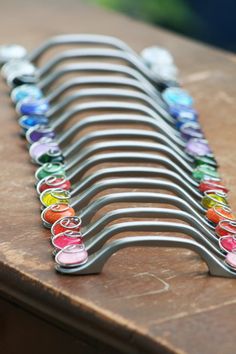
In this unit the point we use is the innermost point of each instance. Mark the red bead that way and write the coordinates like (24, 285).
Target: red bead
(225, 227)
(68, 223)
(57, 211)
(54, 182)
(212, 185)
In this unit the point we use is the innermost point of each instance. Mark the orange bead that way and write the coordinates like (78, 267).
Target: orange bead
(218, 213)
(56, 211)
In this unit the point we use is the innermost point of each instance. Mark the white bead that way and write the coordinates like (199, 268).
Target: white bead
(154, 55)
(17, 67)
(12, 51)
(168, 72)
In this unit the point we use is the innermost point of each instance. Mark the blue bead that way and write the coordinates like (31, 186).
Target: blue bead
(33, 107)
(27, 122)
(26, 91)
(176, 96)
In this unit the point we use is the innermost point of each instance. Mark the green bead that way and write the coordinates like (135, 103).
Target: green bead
(205, 160)
(49, 169)
(204, 172)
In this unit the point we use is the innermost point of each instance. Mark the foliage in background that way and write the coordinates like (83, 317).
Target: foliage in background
(212, 21)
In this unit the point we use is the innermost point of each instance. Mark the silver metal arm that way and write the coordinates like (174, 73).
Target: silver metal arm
(103, 93)
(87, 213)
(117, 118)
(97, 226)
(121, 145)
(59, 122)
(95, 67)
(122, 157)
(82, 199)
(96, 262)
(78, 39)
(77, 145)
(98, 53)
(141, 171)
(94, 243)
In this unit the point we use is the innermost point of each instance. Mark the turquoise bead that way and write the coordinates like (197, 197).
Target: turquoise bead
(26, 91)
(176, 96)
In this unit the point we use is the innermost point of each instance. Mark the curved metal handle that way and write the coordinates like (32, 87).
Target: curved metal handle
(78, 39)
(110, 105)
(129, 58)
(122, 133)
(120, 145)
(124, 157)
(82, 199)
(91, 209)
(94, 243)
(97, 261)
(117, 118)
(104, 93)
(98, 225)
(142, 171)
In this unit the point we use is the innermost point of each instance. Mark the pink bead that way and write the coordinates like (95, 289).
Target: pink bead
(231, 259)
(72, 255)
(67, 238)
(228, 243)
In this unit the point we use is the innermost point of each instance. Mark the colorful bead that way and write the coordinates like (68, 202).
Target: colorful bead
(26, 91)
(41, 147)
(225, 227)
(211, 199)
(218, 213)
(36, 133)
(156, 55)
(183, 112)
(67, 238)
(53, 154)
(68, 223)
(72, 255)
(212, 185)
(53, 196)
(17, 67)
(197, 147)
(55, 212)
(177, 96)
(231, 260)
(205, 160)
(30, 106)
(203, 172)
(53, 182)
(228, 243)
(27, 122)
(24, 80)
(11, 52)
(191, 130)
(49, 169)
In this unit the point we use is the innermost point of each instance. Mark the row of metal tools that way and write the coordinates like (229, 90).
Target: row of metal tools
(139, 90)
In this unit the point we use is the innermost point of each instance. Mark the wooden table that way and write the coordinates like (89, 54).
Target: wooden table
(145, 301)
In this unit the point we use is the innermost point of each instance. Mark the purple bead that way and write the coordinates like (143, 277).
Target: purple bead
(198, 147)
(41, 147)
(39, 132)
(191, 130)
(30, 107)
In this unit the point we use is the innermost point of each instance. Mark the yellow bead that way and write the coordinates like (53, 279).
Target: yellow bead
(53, 196)
(212, 199)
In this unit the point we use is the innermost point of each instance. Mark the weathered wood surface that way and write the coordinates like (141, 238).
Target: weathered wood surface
(145, 301)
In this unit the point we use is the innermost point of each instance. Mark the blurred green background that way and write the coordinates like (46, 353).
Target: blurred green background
(211, 21)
